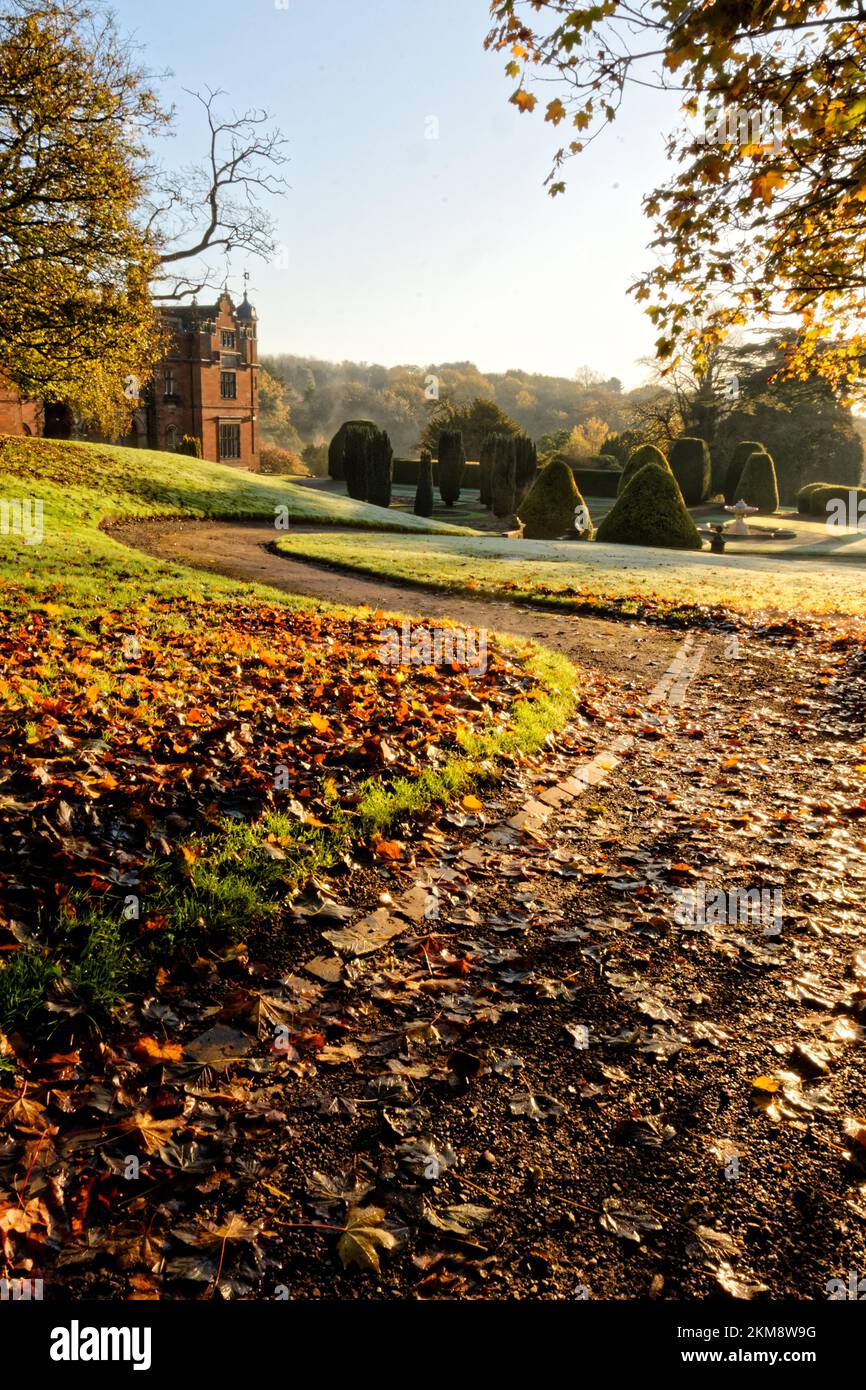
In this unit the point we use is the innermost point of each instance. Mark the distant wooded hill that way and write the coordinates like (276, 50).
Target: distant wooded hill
(321, 395)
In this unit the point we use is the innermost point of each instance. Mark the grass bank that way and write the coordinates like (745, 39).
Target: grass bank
(179, 750)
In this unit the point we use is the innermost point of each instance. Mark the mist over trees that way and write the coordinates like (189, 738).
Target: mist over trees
(321, 395)
(809, 431)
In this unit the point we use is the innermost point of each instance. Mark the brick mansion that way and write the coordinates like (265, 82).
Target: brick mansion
(206, 385)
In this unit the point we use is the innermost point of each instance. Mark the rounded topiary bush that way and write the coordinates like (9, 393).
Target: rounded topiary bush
(424, 490)
(690, 465)
(547, 510)
(758, 484)
(337, 447)
(191, 445)
(651, 511)
(734, 470)
(642, 455)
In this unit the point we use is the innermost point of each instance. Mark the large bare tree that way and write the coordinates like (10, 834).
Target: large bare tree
(205, 213)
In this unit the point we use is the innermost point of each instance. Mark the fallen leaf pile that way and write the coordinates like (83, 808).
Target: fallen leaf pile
(499, 1060)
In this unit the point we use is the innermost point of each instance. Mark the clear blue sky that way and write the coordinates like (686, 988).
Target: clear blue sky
(402, 248)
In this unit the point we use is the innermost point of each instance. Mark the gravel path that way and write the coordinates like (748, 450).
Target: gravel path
(239, 550)
(561, 1084)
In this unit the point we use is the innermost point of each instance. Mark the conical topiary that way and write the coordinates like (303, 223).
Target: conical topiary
(690, 465)
(734, 470)
(651, 511)
(424, 490)
(547, 510)
(452, 461)
(758, 484)
(643, 454)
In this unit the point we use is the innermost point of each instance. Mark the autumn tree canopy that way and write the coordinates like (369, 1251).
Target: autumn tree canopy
(75, 264)
(766, 216)
(92, 228)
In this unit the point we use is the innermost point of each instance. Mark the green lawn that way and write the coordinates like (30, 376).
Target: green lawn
(93, 739)
(82, 485)
(570, 571)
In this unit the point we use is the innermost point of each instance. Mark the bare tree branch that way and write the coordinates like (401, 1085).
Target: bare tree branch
(219, 205)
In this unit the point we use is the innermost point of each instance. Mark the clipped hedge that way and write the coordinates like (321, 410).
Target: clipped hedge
(547, 510)
(651, 511)
(758, 484)
(803, 497)
(597, 482)
(734, 470)
(407, 471)
(824, 496)
(690, 465)
(642, 455)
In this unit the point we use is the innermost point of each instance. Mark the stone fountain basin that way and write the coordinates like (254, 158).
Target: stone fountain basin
(753, 533)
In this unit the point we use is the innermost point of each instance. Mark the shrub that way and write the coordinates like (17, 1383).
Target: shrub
(642, 455)
(315, 456)
(504, 476)
(596, 482)
(758, 485)
(734, 471)
(526, 464)
(451, 462)
(190, 444)
(651, 511)
(803, 497)
(337, 447)
(379, 461)
(690, 465)
(825, 496)
(356, 448)
(282, 461)
(547, 510)
(486, 456)
(424, 490)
